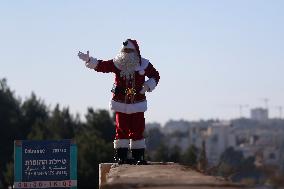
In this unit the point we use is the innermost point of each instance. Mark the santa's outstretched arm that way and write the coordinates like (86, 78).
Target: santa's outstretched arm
(90, 62)
(98, 65)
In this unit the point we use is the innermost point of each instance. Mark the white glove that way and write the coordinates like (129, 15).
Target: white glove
(144, 89)
(83, 56)
(92, 63)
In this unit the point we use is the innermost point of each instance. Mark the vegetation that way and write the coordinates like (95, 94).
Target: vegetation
(32, 119)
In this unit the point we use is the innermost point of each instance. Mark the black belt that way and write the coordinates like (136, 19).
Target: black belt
(124, 91)
(117, 90)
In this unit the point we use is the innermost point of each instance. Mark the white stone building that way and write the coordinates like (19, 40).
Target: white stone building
(259, 114)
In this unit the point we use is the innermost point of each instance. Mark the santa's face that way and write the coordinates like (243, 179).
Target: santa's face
(127, 50)
(127, 60)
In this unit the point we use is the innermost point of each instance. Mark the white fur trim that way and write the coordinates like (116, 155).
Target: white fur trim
(92, 64)
(137, 144)
(128, 108)
(151, 83)
(143, 66)
(121, 143)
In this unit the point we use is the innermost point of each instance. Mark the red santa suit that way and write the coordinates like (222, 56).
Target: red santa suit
(127, 101)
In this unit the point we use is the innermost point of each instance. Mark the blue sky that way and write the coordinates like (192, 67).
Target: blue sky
(212, 55)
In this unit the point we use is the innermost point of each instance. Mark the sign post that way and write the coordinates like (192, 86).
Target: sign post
(45, 164)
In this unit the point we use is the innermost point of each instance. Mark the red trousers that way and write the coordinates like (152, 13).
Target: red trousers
(130, 126)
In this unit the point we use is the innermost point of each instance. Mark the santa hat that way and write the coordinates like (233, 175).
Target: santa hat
(132, 44)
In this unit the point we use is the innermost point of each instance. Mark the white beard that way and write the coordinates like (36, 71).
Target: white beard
(127, 62)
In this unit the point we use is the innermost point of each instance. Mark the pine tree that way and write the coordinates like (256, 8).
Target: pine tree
(190, 156)
(202, 161)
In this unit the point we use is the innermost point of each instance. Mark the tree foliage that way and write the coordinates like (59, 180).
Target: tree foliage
(33, 120)
(233, 164)
(190, 156)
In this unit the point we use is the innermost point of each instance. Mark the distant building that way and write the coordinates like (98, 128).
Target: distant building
(154, 125)
(262, 143)
(172, 126)
(217, 137)
(259, 114)
(181, 142)
(196, 135)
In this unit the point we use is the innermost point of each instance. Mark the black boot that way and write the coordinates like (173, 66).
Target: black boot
(138, 155)
(121, 155)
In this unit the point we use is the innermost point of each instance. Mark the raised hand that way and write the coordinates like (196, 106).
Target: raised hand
(83, 56)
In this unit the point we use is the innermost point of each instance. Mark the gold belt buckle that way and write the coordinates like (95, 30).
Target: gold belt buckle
(130, 91)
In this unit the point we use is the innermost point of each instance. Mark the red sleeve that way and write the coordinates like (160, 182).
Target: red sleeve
(105, 66)
(151, 72)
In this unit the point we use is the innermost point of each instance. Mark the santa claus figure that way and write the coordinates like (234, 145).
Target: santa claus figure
(129, 100)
